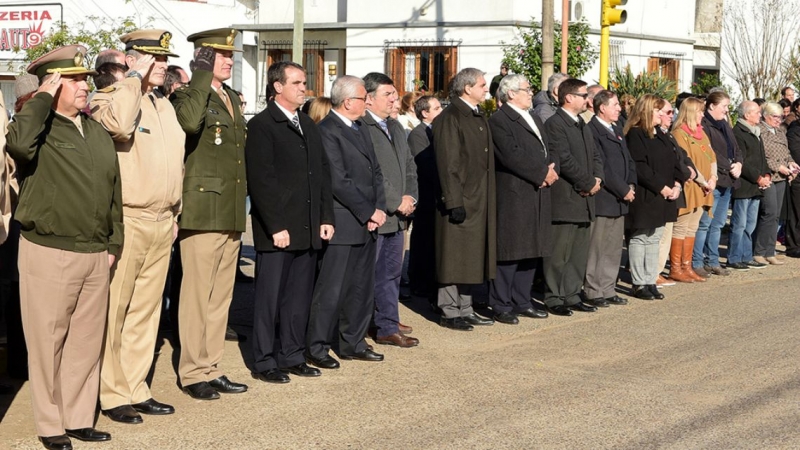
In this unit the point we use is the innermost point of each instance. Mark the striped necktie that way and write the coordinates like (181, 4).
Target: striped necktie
(296, 123)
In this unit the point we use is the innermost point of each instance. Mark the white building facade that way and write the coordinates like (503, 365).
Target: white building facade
(422, 43)
(419, 43)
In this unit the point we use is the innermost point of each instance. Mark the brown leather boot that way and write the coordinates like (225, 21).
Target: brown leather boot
(677, 271)
(688, 248)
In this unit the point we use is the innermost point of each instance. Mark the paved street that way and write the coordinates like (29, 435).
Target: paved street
(712, 366)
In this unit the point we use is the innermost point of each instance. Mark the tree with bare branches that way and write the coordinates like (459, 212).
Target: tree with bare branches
(758, 41)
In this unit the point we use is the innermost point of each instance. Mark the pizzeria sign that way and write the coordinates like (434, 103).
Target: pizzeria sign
(25, 25)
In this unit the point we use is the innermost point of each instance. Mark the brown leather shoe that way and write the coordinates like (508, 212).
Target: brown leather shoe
(405, 329)
(399, 339)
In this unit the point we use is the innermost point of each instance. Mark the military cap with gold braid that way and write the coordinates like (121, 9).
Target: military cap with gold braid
(154, 42)
(220, 39)
(66, 60)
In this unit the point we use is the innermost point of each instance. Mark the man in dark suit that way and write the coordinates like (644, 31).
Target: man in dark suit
(580, 172)
(611, 203)
(465, 225)
(400, 188)
(525, 170)
(343, 301)
(290, 189)
(422, 254)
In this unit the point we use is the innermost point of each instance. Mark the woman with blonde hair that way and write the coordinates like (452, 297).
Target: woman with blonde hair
(689, 134)
(408, 118)
(319, 108)
(659, 179)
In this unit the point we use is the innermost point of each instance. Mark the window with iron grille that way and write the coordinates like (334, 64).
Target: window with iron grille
(417, 65)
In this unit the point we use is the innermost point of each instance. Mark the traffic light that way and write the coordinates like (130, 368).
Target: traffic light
(611, 15)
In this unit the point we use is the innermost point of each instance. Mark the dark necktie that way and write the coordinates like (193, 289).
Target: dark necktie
(354, 125)
(296, 123)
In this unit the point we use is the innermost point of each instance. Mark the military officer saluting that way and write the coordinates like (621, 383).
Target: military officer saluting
(150, 146)
(70, 213)
(213, 216)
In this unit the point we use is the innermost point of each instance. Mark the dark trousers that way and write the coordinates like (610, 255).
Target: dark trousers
(388, 267)
(284, 285)
(343, 300)
(769, 212)
(565, 270)
(793, 217)
(422, 255)
(510, 291)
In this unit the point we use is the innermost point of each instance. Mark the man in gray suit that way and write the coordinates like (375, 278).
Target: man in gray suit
(400, 187)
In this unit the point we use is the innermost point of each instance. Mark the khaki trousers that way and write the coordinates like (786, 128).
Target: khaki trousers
(209, 270)
(134, 310)
(663, 246)
(64, 297)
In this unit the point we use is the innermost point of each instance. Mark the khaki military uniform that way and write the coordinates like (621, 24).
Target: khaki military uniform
(212, 221)
(150, 146)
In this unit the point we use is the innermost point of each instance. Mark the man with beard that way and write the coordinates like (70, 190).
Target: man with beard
(149, 143)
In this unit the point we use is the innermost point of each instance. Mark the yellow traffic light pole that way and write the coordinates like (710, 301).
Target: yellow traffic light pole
(610, 16)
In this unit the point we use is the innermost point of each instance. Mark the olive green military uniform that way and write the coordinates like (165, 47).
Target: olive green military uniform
(212, 220)
(150, 148)
(70, 212)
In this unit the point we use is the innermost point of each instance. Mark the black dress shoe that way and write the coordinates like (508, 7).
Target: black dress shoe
(366, 355)
(302, 370)
(152, 407)
(580, 306)
(616, 300)
(654, 290)
(533, 313)
(597, 302)
(506, 318)
(272, 376)
(643, 293)
(201, 391)
(56, 442)
(232, 336)
(123, 414)
(455, 323)
(474, 319)
(559, 310)
(324, 362)
(225, 386)
(89, 435)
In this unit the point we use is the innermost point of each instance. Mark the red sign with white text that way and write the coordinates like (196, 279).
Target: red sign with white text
(24, 26)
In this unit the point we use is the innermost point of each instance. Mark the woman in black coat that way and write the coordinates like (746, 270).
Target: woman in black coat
(659, 179)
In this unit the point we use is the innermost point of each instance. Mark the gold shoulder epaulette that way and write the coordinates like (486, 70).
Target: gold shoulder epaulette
(108, 89)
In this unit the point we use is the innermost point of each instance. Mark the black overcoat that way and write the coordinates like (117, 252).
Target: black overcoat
(657, 165)
(618, 168)
(579, 164)
(523, 208)
(288, 179)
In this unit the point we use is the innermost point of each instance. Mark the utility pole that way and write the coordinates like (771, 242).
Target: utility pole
(548, 53)
(609, 16)
(564, 34)
(297, 37)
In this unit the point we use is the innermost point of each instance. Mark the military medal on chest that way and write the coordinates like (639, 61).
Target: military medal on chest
(218, 136)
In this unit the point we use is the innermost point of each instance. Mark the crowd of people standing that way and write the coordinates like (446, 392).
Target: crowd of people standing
(559, 183)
